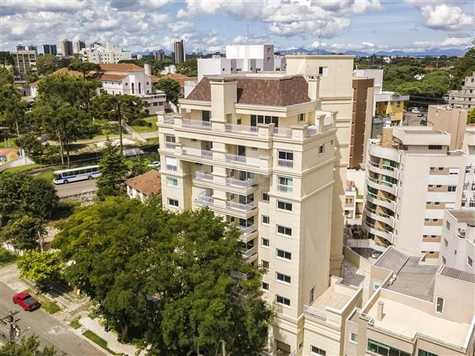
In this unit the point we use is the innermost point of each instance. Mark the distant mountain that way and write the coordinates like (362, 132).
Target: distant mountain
(397, 53)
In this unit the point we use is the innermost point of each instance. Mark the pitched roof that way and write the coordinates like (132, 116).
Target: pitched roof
(180, 78)
(111, 77)
(282, 91)
(147, 183)
(121, 67)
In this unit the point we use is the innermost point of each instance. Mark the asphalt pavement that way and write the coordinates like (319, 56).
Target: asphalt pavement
(49, 330)
(75, 188)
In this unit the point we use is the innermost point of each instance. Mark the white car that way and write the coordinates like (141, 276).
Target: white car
(154, 164)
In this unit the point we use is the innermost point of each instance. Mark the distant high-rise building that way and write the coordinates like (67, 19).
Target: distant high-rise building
(66, 48)
(24, 63)
(50, 49)
(20, 47)
(159, 55)
(78, 46)
(179, 52)
(107, 54)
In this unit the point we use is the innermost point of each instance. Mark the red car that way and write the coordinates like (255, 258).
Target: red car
(26, 301)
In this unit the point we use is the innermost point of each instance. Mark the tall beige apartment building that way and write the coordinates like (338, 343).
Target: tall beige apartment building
(257, 150)
(334, 77)
(464, 98)
(412, 177)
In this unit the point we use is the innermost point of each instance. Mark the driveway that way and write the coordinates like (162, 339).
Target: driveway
(49, 330)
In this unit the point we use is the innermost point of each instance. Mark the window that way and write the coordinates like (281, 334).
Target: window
(323, 71)
(452, 188)
(284, 230)
(265, 264)
(440, 305)
(321, 149)
(265, 242)
(205, 115)
(265, 285)
(317, 351)
(265, 219)
(469, 261)
(311, 295)
(447, 225)
(425, 353)
(171, 163)
(282, 277)
(265, 196)
(286, 159)
(284, 205)
(284, 254)
(353, 337)
(435, 147)
(172, 181)
(301, 117)
(285, 184)
(385, 350)
(173, 202)
(282, 300)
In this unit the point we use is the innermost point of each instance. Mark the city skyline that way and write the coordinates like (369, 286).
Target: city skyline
(344, 25)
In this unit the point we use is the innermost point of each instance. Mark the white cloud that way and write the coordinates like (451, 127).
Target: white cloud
(445, 17)
(12, 7)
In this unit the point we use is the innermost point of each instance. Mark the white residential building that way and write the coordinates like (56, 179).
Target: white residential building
(242, 58)
(256, 150)
(412, 177)
(107, 54)
(464, 98)
(457, 249)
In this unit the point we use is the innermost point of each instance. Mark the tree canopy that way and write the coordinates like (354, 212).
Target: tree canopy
(40, 267)
(188, 67)
(28, 346)
(177, 282)
(113, 173)
(171, 88)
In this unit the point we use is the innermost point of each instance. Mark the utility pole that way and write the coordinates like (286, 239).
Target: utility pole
(12, 325)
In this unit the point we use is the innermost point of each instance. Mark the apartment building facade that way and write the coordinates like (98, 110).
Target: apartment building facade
(104, 54)
(332, 75)
(464, 98)
(255, 150)
(457, 249)
(66, 48)
(412, 176)
(24, 61)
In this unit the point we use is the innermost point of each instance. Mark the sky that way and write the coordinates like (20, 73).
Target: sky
(209, 25)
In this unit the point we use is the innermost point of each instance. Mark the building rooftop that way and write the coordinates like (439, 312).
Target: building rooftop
(392, 259)
(463, 215)
(420, 136)
(408, 320)
(259, 90)
(335, 297)
(457, 274)
(147, 183)
(121, 67)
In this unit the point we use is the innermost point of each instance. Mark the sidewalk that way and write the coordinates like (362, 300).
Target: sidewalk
(111, 338)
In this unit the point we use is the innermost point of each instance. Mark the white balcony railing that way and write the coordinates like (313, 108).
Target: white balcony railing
(283, 131)
(171, 167)
(286, 163)
(244, 159)
(240, 206)
(241, 129)
(285, 188)
(247, 230)
(205, 200)
(240, 183)
(170, 145)
(250, 252)
(196, 152)
(204, 176)
(196, 124)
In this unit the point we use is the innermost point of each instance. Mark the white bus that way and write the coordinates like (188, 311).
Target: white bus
(76, 174)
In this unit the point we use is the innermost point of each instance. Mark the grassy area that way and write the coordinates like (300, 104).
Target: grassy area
(6, 257)
(48, 305)
(75, 324)
(8, 143)
(24, 169)
(148, 124)
(98, 341)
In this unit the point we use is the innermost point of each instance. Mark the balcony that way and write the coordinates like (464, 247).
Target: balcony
(381, 201)
(234, 182)
(245, 160)
(285, 163)
(382, 185)
(250, 252)
(233, 205)
(248, 130)
(205, 200)
(198, 153)
(382, 169)
(196, 124)
(380, 216)
(204, 177)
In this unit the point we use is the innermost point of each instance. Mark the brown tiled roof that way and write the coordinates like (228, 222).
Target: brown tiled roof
(107, 76)
(180, 78)
(260, 91)
(121, 67)
(147, 183)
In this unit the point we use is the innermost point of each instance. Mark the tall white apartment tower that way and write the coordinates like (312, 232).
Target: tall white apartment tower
(256, 150)
(334, 78)
(412, 177)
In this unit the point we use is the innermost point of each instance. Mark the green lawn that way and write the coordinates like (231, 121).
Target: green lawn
(98, 341)
(8, 143)
(6, 257)
(48, 305)
(75, 324)
(150, 125)
(24, 169)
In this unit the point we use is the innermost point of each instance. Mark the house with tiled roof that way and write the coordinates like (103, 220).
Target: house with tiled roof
(123, 78)
(144, 186)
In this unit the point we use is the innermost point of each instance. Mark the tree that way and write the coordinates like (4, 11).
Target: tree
(42, 268)
(113, 173)
(24, 232)
(84, 67)
(28, 346)
(138, 167)
(188, 67)
(6, 76)
(464, 66)
(12, 109)
(471, 117)
(40, 152)
(177, 282)
(23, 194)
(171, 88)
(47, 64)
(122, 109)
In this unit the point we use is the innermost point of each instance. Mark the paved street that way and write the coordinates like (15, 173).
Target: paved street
(69, 189)
(49, 330)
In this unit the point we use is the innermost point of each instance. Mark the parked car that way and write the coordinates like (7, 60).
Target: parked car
(154, 164)
(26, 301)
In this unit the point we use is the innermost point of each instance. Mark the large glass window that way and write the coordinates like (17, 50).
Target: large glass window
(385, 350)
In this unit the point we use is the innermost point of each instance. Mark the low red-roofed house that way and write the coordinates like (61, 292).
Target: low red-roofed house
(144, 186)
